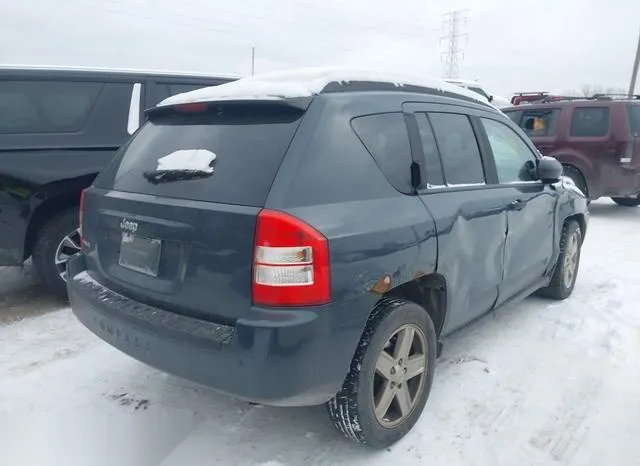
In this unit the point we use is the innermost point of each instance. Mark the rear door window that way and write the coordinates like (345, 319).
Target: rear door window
(459, 150)
(634, 120)
(589, 122)
(46, 106)
(248, 140)
(540, 122)
(386, 138)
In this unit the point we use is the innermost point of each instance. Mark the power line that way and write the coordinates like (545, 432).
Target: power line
(454, 53)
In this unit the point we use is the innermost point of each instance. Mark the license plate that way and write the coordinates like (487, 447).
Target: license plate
(140, 254)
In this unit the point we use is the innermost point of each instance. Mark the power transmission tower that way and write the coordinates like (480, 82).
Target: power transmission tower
(453, 53)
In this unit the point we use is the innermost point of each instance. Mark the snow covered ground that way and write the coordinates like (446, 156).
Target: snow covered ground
(535, 384)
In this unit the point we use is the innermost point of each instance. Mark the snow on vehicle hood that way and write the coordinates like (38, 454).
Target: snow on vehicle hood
(188, 159)
(306, 83)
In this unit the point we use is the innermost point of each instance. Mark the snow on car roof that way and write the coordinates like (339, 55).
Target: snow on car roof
(306, 82)
(468, 82)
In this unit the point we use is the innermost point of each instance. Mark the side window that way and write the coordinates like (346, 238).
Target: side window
(540, 122)
(432, 165)
(509, 152)
(386, 138)
(46, 106)
(459, 150)
(589, 122)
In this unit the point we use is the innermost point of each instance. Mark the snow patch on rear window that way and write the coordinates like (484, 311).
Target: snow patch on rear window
(188, 159)
(306, 83)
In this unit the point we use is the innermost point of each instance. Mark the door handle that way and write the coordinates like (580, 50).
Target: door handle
(518, 204)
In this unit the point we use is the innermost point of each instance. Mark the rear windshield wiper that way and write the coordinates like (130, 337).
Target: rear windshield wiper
(164, 176)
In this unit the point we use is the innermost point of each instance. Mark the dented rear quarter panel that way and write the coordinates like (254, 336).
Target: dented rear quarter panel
(373, 230)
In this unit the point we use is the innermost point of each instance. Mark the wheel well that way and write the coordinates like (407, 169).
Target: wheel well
(428, 291)
(581, 222)
(43, 213)
(584, 178)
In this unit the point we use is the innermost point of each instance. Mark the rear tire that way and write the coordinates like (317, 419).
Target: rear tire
(377, 409)
(626, 201)
(566, 272)
(57, 239)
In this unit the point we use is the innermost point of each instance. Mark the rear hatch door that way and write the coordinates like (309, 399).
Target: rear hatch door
(171, 220)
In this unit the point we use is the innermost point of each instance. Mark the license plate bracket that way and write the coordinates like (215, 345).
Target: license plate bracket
(140, 254)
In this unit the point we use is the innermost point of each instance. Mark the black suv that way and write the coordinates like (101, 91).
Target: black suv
(315, 248)
(58, 128)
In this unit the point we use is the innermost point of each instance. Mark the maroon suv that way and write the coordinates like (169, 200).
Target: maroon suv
(597, 140)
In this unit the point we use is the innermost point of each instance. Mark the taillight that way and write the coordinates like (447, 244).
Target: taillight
(290, 262)
(627, 154)
(81, 217)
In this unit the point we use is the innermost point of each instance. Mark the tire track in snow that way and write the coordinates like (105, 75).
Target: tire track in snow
(563, 433)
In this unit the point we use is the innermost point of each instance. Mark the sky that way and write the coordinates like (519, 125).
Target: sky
(508, 45)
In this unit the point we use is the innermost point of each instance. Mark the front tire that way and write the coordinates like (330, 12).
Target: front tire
(578, 179)
(390, 377)
(626, 201)
(57, 241)
(566, 272)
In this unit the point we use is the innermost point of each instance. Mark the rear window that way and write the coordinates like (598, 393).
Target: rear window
(46, 106)
(249, 141)
(386, 138)
(589, 122)
(634, 120)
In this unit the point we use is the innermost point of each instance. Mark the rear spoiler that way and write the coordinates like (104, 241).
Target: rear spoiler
(299, 103)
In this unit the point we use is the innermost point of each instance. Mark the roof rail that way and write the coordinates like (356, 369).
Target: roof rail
(607, 96)
(531, 93)
(370, 85)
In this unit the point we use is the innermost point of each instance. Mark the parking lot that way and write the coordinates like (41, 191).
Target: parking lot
(538, 383)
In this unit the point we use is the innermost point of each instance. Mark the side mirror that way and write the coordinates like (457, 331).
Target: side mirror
(549, 170)
(490, 98)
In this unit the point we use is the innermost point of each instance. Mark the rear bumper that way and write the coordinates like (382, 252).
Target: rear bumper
(280, 358)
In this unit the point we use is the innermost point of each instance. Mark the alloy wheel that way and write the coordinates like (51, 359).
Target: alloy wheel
(399, 376)
(69, 246)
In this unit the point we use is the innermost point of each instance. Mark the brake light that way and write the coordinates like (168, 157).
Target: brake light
(290, 262)
(195, 107)
(81, 217)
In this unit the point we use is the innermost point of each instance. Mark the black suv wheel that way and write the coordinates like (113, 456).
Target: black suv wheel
(57, 241)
